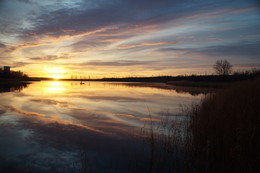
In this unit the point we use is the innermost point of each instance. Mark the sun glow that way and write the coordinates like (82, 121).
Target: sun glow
(56, 72)
(56, 76)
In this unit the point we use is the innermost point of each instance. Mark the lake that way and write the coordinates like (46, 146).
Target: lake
(63, 126)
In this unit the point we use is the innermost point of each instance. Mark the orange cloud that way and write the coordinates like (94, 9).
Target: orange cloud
(120, 47)
(23, 46)
(74, 34)
(142, 45)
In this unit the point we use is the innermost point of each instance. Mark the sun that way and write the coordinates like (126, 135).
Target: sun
(56, 76)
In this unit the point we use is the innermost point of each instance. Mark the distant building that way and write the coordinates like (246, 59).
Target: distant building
(7, 69)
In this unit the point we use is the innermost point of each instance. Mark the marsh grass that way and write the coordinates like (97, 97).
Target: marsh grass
(165, 141)
(218, 134)
(223, 130)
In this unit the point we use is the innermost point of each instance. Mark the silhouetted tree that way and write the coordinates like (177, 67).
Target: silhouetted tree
(222, 67)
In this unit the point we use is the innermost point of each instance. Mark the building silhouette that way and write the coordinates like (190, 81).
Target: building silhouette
(7, 69)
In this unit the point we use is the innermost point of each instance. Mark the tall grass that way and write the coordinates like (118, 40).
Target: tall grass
(223, 131)
(220, 135)
(165, 142)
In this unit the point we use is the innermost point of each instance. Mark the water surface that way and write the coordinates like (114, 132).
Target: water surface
(51, 126)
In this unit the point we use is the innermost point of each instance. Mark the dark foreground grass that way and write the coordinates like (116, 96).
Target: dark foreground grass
(219, 134)
(166, 149)
(223, 130)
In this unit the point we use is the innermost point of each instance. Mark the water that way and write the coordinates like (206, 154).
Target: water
(55, 126)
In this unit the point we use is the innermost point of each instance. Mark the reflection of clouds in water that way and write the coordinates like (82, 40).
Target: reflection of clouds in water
(63, 137)
(95, 121)
(14, 109)
(52, 102)
(20, 94)
(19, 146)
(111, 98)
(122, 111)
(10, 135)
(2, 111)
(100, 118)
(86, 117)
(81, 117)
(48, 118)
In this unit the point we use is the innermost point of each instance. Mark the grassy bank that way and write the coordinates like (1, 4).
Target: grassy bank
(224, 130)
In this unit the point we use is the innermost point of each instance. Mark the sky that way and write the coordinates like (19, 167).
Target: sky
(122, 38)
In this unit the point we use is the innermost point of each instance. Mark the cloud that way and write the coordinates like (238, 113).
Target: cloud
(247, 50)
(148, 44)
(49, 58)
(112, 42)
(20, 64)
(176, 50)
(118, 63)
(137, 33)
(56, 19)
(2, 45)
(25, 1)
(23, 46)
(69, 21)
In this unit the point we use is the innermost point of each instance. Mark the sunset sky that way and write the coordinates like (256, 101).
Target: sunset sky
(104, 38)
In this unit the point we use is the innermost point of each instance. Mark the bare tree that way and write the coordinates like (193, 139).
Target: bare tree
(222, 67)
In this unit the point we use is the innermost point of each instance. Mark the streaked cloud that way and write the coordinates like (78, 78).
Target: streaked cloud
(2, 45)
(23, 46)
(249, 50)
(20, 64)
(117, 63)
(49, 58)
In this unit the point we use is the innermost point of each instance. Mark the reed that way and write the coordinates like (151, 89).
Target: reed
(223, 131)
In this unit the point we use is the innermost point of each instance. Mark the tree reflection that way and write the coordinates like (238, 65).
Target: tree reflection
(10, 87)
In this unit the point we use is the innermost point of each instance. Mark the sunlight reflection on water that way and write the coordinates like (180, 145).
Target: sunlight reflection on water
(55, 87)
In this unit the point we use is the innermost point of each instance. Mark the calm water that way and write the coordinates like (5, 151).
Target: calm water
(52, 126)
